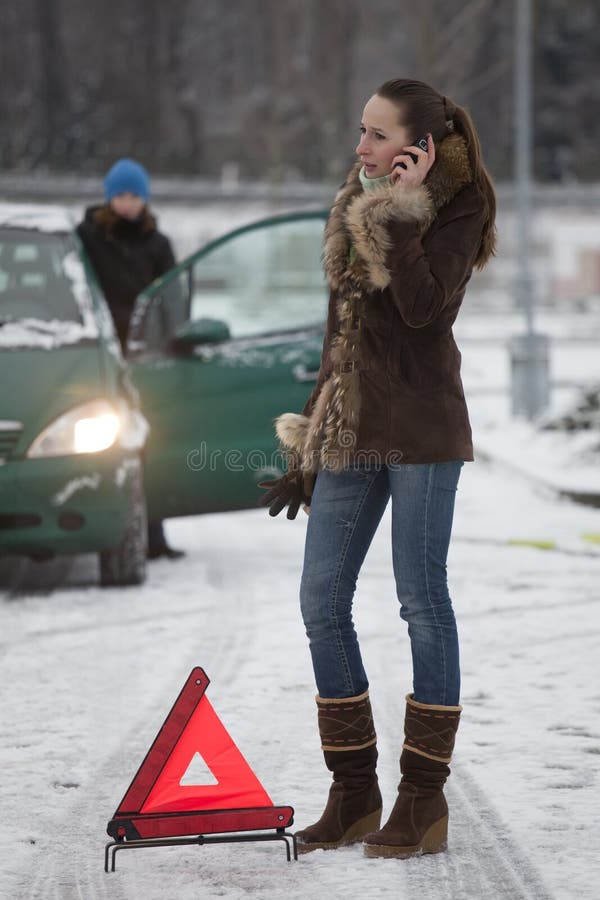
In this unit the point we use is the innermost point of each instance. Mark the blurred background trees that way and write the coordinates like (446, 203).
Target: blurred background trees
(274, 88)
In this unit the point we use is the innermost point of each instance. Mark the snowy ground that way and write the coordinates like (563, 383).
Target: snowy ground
(88, 675)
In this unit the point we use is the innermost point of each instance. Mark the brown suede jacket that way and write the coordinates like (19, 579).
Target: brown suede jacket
(389, 388)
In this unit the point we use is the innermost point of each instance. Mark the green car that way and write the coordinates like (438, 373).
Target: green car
(217, 348)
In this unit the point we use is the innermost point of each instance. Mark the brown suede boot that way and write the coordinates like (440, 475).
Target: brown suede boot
(348, 742)
(419, 820)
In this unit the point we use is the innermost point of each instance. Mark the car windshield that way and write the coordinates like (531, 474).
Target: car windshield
(35, 282)
(45, 299)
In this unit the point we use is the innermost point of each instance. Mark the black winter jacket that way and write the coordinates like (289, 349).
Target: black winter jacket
(126, 256)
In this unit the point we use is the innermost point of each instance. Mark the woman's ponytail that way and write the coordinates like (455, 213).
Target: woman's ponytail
(462, 123)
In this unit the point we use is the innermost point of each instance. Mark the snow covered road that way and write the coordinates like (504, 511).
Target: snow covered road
(88, 675)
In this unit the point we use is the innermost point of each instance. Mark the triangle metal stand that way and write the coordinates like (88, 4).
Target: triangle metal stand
(199, 840)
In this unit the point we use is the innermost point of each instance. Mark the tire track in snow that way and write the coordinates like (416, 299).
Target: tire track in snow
(497, 860)
(23, 577)
(483, 858)
(70, 867)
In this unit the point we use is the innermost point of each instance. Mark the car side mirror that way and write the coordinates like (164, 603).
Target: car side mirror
(199, 331)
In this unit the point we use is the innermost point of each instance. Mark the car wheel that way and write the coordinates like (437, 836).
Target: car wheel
(126, 563)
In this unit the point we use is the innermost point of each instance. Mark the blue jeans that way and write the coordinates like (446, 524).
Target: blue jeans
(345, 511)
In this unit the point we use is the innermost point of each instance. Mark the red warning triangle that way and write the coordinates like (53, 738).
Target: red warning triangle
(193, 727)
(237, 785)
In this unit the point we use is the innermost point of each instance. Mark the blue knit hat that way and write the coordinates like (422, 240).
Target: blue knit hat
(127, 175)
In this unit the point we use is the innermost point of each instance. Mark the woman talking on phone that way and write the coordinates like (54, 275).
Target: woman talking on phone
(387, 418)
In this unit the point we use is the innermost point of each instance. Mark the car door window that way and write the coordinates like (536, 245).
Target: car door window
(266, 278)
(158, 312)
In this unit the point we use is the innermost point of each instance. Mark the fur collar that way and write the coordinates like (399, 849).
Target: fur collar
(360, 218)
(327, 438)
(105, 218)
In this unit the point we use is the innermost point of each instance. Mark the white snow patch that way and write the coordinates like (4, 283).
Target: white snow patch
(75, 485)
(125, 467)
(73, 269)
(563, 460)
(45, 335)
(41, 217)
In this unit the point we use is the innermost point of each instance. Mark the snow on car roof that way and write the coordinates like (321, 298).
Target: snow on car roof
(36, 216)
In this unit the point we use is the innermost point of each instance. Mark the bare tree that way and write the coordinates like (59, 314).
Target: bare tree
(277, 86)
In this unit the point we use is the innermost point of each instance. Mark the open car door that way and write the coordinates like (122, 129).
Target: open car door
(220, 346)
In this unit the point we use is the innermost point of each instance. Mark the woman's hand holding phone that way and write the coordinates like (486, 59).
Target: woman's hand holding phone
(411, 168)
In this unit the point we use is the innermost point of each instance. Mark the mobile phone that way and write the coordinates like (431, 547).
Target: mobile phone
(422, 144)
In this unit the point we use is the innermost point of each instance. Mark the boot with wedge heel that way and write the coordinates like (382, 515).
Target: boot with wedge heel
(418, 822)
(354, 804)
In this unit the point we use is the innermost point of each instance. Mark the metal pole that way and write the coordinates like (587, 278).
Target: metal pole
(523, 161)
(530, 384)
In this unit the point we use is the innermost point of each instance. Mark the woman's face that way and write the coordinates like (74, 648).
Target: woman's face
(382, 137)
(128, 205)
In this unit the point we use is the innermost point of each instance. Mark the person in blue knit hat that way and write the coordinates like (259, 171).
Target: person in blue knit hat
(122, 239)
(127, 252)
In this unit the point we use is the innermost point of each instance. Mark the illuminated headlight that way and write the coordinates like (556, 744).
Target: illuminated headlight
(96, 433)
(88, 428)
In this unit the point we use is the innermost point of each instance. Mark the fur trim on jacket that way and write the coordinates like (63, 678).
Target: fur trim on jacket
(359, 219)
(106, 218)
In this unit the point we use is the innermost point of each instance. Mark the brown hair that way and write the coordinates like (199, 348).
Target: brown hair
(424, 109)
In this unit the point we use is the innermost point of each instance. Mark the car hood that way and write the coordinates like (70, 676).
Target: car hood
(38, 386)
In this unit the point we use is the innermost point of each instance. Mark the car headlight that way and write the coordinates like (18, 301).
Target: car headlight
(88, 428)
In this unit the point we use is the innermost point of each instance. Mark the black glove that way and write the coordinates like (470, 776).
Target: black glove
(291, 490)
